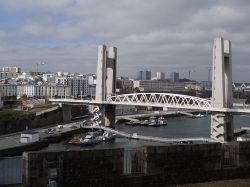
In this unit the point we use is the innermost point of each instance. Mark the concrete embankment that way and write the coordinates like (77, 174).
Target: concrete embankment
(19, 148)
(13, 151)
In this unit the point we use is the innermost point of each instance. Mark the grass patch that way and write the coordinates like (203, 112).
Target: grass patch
(11, 114)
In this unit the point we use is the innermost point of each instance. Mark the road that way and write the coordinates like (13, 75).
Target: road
(13, 140)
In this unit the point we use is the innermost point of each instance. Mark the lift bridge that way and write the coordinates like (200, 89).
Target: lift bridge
(220, 105)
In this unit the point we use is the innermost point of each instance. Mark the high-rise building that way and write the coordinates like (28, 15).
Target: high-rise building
(11, 69)
(174, 77)
(160, 76)
(144, 75)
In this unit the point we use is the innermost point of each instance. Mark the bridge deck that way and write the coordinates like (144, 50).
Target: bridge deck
(150, 138)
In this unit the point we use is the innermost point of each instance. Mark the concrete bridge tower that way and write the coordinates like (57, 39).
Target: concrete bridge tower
(106, 83)
(222, 123)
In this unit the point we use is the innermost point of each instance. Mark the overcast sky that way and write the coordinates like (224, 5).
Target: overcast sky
(154, 35)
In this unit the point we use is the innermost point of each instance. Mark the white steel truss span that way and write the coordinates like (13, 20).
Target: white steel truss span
(161, 100)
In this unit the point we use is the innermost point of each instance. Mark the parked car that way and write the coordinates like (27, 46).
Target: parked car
(73, 127)
(60, 126)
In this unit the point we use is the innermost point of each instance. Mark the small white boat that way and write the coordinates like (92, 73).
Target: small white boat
(153, 121)
(108, 135)
(197, 116)
(162, 121)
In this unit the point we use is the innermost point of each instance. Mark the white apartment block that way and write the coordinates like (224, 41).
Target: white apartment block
(78, 85)
(44, 90)
(159, 85)
(11, 69)
(160, 76)
(8, 90)
(49, 77)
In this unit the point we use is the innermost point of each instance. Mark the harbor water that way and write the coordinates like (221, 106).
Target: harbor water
(177, 127)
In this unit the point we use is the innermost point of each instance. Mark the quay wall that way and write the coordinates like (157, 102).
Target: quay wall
(18, 150)
(54, 138)
(161, 165)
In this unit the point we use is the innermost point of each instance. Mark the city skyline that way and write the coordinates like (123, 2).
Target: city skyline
(65, 35)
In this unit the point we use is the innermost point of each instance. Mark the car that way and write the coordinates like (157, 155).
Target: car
(46, 131)
(73, 127)
(60, 126)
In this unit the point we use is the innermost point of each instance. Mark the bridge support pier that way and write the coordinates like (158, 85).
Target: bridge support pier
(110, 116)
(106, 83)
(222, 127)
(66, 112)
(222, 123)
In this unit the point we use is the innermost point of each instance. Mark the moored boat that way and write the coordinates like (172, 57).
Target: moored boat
(108, 135)
(91, 139)
(162, 121)
(76, 141)
(153, 121)
(196, 116)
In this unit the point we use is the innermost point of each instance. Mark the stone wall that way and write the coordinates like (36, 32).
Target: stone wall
(161, 165)
(193, 163)
(103, 167)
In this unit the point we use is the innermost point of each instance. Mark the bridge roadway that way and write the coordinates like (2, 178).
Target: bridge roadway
(234, 110)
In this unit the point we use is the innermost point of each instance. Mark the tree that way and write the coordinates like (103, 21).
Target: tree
(24, 97)
(118, 84)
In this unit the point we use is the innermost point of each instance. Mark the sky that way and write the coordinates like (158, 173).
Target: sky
(158, 36)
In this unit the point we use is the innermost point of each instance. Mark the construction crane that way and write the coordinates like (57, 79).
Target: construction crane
(36, 63)
(189, 72)
(209, 67)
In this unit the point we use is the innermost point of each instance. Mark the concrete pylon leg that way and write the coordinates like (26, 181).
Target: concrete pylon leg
(110, 116)
(66, 113)
(106, 83)
(222, 123)
(222, 127)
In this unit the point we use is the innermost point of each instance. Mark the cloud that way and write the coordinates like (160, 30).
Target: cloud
(154, 35)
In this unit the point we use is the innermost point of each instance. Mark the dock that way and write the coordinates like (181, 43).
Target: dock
(151, 138)
(238, 132)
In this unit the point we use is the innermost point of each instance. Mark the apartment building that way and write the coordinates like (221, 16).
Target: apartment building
(44, 90)
(78, 85)
(8, 90)
(159, 85)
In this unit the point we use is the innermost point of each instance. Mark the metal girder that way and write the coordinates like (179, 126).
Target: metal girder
(161, 99)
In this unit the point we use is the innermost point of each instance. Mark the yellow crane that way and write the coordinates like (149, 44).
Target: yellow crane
(36, 63)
